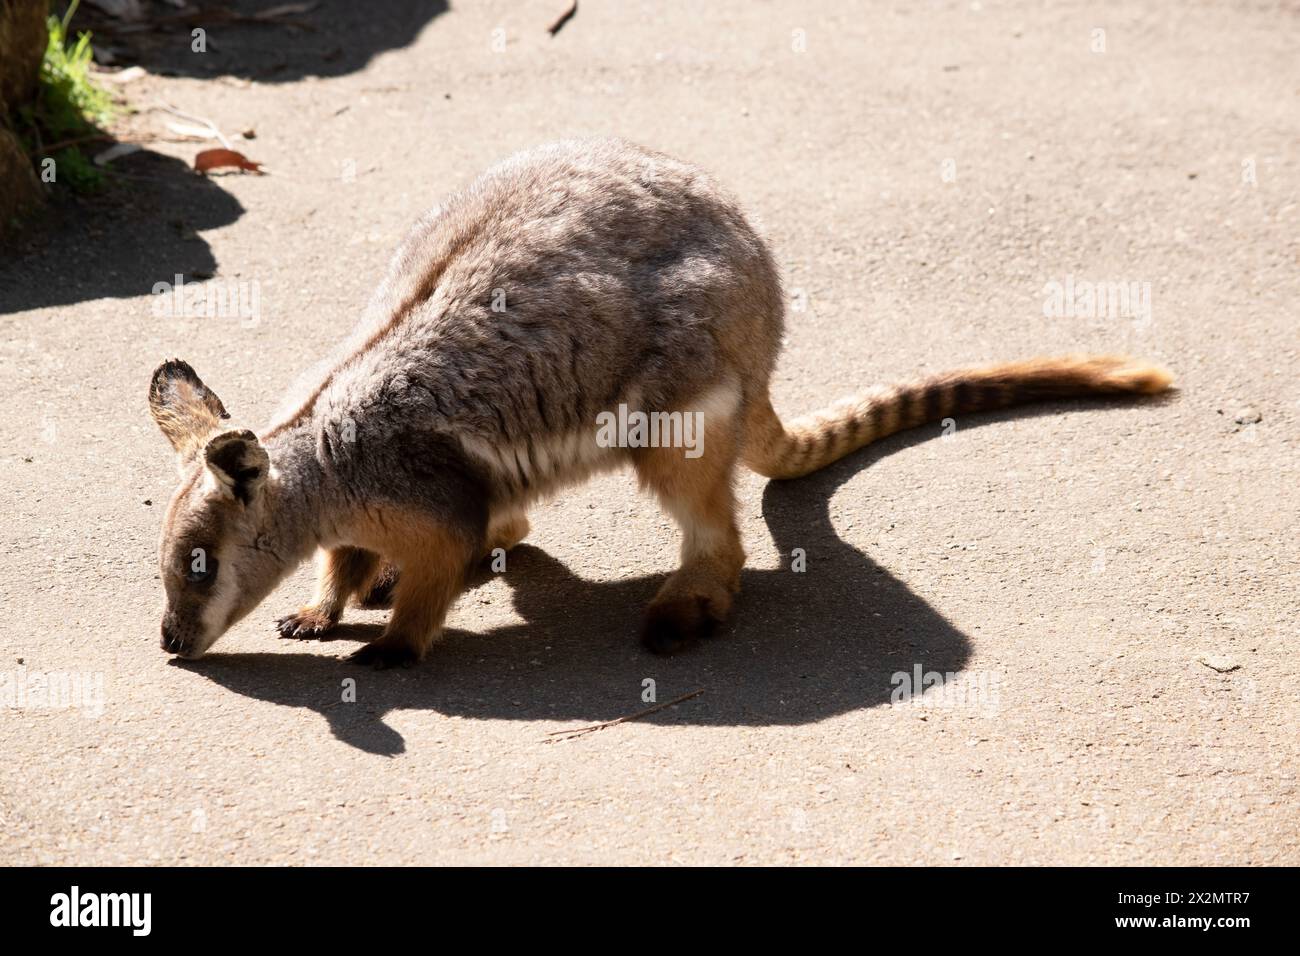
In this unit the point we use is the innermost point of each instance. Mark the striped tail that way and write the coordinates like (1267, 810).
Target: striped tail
(814, 441)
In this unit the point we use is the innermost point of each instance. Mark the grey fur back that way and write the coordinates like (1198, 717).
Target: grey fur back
(619, 274)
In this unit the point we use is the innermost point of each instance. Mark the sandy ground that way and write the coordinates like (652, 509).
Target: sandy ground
(922, 171)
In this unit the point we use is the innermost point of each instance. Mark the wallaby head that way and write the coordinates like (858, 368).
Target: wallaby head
(217, 555)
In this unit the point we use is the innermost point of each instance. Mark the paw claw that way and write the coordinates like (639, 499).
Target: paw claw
(304, 626)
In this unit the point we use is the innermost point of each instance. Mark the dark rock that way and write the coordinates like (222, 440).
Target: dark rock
(22, 45)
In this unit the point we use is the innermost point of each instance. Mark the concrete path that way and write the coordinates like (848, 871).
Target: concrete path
(922, 172)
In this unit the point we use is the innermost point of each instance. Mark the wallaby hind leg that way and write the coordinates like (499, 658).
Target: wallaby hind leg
(342, 573)
(698, 493)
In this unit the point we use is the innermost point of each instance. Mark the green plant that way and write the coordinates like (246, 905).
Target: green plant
(68, 108)
(75, 169)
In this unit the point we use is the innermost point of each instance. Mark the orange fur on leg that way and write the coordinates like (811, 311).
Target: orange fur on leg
(342, 572)
(432, 560)
(506, 529)
(698, 494)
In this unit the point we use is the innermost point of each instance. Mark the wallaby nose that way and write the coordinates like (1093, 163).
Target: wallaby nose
(170, 641)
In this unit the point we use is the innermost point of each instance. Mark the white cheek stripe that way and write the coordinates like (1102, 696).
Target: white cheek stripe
(217, 611)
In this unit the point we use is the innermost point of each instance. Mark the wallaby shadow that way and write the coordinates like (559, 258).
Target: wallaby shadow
(801, 646)
(261, 40)
(141, 231)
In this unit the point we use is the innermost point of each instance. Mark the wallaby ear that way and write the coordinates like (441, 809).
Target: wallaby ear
(238, 462)
(186, 410)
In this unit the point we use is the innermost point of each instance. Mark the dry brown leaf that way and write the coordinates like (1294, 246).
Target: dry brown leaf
(222, 158)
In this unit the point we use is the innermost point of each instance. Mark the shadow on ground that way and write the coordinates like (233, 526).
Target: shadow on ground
(140, 232)
(801, 646)
(146, 230)
(262, 40)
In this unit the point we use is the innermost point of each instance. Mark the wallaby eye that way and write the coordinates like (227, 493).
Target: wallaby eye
(202, 569)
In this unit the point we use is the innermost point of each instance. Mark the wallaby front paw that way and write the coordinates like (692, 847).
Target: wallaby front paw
(306, 625)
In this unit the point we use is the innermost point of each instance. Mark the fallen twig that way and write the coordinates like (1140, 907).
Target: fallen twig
(167, 108)
(193, 132)
(555, 735)
(116, 151)
(108, 138)
(565, 17)
(76, 141)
